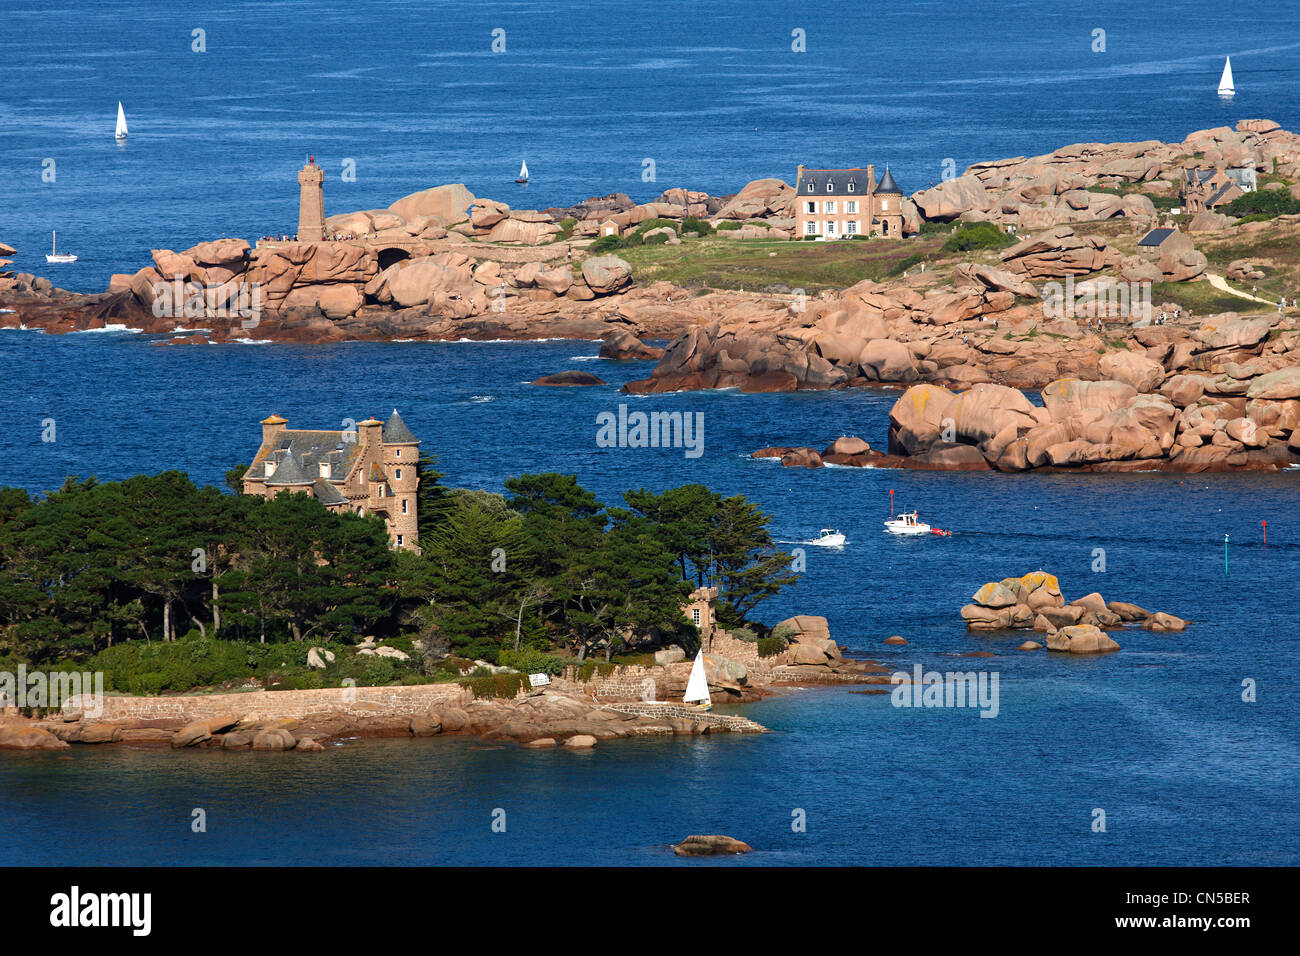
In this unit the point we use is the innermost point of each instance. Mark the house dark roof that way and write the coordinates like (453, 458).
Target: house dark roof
(326, 493)
(839, 181)
(396, 432)
(289, 472)
(1155, 237)
(308, 449)
(1201, 175)
(887, 184)
(1217, 197)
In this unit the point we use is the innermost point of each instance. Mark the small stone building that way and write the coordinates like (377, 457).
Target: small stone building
(610, 227)
(369, 469)
(700, 609)
(838, 203)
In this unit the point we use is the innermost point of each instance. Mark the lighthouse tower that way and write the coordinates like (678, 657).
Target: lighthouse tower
(311, 202)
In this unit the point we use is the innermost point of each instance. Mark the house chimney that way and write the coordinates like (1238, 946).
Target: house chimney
(271, 428)
(871, 177)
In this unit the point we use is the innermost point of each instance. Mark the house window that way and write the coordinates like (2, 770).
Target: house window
(399, 474)
(810, 228)
(852, 228)
(830, 227)
(324, 469)
(399, 453)
(830, 206)
(884, 204)
(403, 506)
(851, 206)
(830, 187)
(810, 186)
(810, 207)
(695, 616)
(850, 187)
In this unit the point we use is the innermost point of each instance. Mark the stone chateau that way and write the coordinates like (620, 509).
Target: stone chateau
(370, 470)
(838, 203)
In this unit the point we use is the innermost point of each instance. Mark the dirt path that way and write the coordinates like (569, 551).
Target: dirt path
(1221, 284)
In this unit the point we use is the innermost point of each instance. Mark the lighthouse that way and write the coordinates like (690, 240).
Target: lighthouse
(311, 202)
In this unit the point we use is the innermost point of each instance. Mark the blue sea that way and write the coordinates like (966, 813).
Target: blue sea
(1157, 736)
(412, 94)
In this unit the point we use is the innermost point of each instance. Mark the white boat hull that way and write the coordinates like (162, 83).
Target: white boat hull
(61, 257)
(901, 527)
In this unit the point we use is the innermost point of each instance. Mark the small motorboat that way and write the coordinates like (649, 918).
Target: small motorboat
(54, 256)
(906, 523)
(829, 538)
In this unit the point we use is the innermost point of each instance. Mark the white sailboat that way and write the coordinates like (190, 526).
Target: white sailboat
(523, 173)
(120, 134)
(1226, 87)
(697, 688)
(55, 256)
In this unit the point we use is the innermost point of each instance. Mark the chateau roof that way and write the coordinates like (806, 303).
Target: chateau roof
(288, 472)
(839, 181)
(326, 493)
(308, 449)
(396, 432)
(887, 184)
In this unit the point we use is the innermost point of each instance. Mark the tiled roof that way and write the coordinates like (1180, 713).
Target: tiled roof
(308, 449)
(326, 493)
(288, 472)
(396, 432)
(1155, 237)
(1217, 196)
(838, 179)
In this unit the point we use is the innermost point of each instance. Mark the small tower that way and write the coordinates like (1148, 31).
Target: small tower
(888, 209)
(311, 202)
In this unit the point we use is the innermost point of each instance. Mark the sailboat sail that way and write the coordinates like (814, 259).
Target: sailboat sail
(1225, 82)
(697, 688)
(523, 171)
(121, 121)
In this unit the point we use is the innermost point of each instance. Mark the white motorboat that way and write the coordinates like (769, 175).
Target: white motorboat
(829, 538)
(1226, 87)
(906, 523)
(54, 255)
(120, 132)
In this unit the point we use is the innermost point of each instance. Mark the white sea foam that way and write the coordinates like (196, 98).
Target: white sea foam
(109, 328)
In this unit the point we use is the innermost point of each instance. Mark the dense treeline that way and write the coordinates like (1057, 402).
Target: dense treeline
(544, 568)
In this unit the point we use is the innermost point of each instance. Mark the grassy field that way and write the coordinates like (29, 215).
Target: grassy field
(760, 264)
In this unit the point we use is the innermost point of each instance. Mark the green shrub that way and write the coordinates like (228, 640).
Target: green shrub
(566, 227)
(494, 685)
(606, 244)
(697, 226)
(744, 634)
(727, 225)
(976, 235)
(531, 661)
(768, 646)
(1266, 203)
(783, 632)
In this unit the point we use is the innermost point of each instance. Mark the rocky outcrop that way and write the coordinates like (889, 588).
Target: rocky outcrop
(568, 379)
(711, 845)
(1035, 601)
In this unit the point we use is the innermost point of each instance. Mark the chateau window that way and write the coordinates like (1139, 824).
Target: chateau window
(399, 453)
(399, 474)
(830, 206)
(884, 204)
(381, 491)
(401, 540)
(324, 469)
(695, 616)
(851, 206)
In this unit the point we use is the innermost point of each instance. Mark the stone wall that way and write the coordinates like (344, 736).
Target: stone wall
(742, 725)
(406, 701)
